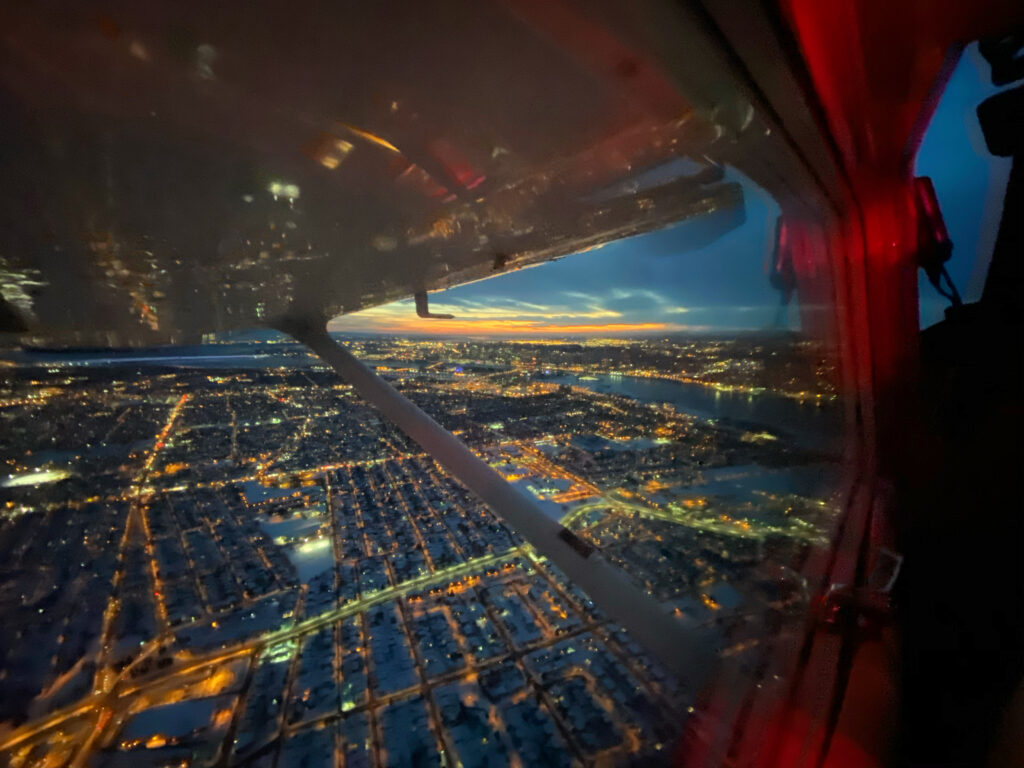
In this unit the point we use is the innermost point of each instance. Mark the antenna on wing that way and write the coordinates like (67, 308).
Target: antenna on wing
(423, 308)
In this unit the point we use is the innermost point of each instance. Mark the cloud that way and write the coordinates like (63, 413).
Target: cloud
(493, 302)
(500, 328)
(511, 309)
(490, 315)
(584, 296)
(623, 294)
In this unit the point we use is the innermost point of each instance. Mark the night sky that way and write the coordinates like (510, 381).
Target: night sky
(658, 283)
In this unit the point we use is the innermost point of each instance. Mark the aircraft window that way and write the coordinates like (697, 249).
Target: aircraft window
(215, 551)
(176, 519)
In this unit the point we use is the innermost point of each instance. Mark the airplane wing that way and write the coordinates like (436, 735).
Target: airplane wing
(173, 170)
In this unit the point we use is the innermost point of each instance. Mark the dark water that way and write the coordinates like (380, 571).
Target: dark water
(806, 423)
(745, 482)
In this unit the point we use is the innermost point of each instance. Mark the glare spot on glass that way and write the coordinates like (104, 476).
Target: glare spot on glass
(282, 189)
(384, 243)
(206, 54)
(138, 50)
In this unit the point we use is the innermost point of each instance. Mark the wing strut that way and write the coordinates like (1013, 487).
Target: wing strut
(686, 652)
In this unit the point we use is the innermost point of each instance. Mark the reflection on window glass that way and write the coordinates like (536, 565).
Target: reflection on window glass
(215, 552)
(178, 521)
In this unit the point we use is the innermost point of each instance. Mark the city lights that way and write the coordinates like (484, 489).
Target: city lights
(231, 512)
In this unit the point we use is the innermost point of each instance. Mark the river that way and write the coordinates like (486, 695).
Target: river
(818, 427)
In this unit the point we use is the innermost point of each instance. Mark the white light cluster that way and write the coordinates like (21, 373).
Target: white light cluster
(281, 189)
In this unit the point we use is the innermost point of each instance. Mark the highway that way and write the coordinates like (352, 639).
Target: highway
(117, 699)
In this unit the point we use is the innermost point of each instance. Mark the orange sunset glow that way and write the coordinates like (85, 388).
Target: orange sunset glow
(501, 319)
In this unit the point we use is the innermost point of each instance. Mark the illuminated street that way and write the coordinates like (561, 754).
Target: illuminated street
(289, 578)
